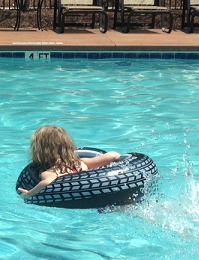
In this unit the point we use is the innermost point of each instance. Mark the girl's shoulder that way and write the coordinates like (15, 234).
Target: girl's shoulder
(48, 173)
(84, 166)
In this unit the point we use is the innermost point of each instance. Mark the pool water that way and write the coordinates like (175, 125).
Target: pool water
(147, 106)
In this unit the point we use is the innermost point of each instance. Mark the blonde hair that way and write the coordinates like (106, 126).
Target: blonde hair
(51, 145)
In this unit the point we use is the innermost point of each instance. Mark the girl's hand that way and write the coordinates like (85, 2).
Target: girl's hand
(24, 193)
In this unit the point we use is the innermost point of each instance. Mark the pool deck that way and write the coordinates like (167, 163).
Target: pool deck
(93, 40)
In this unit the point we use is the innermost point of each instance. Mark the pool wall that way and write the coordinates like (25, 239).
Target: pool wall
(42, 55)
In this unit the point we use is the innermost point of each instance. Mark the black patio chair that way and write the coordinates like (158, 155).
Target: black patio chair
(132, 8)
(64, 8)
(190, 10)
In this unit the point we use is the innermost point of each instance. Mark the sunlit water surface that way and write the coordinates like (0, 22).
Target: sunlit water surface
(147, 106)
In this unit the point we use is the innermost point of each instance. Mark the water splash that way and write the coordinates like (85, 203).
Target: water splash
(174, 211)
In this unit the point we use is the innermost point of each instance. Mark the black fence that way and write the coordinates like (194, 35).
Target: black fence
(25, 5)
(49, 4)
(8, 13)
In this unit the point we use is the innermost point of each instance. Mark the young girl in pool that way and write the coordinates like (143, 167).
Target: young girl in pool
(53, 150)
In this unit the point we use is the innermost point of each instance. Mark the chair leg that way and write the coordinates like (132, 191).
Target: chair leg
(192, 23)
(123, 20)
(115, 20)
(170, 22)
(128, 24)
(18, 19)
(61, 22)
(60, 14)
(101, 22)
(40, 3)
(55, 15)
(163, 21)
(183, 18)
(115, 14)
(93, 21)
(105, 22)
(153, 21)
(189, 21)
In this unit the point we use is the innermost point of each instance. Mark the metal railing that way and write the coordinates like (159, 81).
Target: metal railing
(10, 16)
(25, 5)
(49, 4)
(174, 4)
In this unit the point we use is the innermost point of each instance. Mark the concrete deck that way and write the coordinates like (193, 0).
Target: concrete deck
(93, 39)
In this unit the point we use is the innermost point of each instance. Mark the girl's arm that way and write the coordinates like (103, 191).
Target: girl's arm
(101, 160)
(47, 178)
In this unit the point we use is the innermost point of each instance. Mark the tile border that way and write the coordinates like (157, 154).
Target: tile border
(96, 55)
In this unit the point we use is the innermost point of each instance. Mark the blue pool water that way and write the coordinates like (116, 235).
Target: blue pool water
(148, 106)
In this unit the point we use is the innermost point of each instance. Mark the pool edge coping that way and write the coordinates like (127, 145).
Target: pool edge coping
(45, 47)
